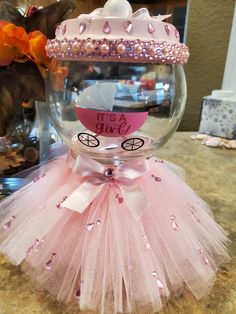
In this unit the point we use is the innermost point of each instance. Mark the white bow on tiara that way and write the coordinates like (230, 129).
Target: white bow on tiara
(142, 13)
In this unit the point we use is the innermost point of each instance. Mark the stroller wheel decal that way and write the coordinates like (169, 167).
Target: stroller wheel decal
(132, 144)
(88, 140)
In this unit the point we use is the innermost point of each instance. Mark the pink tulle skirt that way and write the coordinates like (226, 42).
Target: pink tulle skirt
(106, 259)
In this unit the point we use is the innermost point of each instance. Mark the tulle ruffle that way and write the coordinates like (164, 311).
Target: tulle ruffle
(106, 259)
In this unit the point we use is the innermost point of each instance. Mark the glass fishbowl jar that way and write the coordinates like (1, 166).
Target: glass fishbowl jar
(114, 111)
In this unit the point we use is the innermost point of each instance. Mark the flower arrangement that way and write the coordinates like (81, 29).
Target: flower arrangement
(23, 67)
(23, 60)
(18, 46)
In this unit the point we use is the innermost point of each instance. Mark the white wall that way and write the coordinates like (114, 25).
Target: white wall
(229, 80)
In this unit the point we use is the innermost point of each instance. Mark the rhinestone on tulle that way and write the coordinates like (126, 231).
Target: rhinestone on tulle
(106, 28)
(193, 211)
(157, 179)
(147, 245)
(128, 26)
(30, 250)
(204, 258)
(174, 223)
(151, 28)
(90, 226)
(35, 247)
(82, 27)
(58, 205)
(154, 273)
(195, 216)
(119, 198)
(160, 284)
(39, 177)
(77, 293)
(9, 223)
(48, 264)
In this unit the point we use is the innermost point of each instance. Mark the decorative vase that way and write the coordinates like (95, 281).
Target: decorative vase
(20, 147)
(46, 132)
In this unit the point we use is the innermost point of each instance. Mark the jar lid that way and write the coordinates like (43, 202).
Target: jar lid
(115, 34)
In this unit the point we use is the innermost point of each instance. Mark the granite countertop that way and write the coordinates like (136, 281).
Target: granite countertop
(211, 173)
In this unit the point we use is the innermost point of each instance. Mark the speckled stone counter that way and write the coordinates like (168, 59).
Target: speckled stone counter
(212, 174)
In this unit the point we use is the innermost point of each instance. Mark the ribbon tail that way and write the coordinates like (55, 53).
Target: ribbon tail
(162, 17)
(82, 197)
(135, 200)
(142, 13)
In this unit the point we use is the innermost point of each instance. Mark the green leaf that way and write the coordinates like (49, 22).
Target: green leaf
(9, 13)
(46, 19)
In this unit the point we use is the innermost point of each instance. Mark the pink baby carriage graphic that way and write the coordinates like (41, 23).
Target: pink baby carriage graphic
(107, 123)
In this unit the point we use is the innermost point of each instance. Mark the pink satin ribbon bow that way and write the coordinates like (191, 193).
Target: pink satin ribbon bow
(96, 175)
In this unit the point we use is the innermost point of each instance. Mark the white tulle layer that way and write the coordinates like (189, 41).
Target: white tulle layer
(105, 259)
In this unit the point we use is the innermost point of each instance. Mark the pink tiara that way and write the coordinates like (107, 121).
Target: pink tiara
(138, 38)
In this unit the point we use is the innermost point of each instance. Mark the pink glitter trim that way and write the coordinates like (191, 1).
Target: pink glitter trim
(148, 52)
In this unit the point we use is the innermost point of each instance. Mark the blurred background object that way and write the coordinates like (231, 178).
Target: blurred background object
(218, 117)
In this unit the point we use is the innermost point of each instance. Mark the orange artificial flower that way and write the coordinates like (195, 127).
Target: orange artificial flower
(16, 45)
(3, 23)
(58, 78)
(15, 36)
(13, 40)
(59, 73)
(7, 53)
(37, 43)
